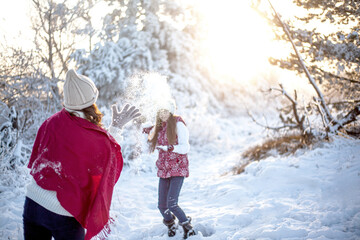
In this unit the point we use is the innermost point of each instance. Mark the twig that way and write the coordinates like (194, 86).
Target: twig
(324, 120)
(268, 127)
(299, 120)
(345, 101)
(307, 114)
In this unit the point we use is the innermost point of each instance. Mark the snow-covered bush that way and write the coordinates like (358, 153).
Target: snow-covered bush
(13, 152)
(27, 99)
(8, 132)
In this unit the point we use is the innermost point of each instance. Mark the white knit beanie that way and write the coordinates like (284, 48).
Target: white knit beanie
(168, 104)
(79, 91)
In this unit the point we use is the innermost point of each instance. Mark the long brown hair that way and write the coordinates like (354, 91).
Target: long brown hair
(92, 114)
(170, 131)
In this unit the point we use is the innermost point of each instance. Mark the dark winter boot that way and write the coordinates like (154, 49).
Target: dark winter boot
(188, 229)
(171, 226)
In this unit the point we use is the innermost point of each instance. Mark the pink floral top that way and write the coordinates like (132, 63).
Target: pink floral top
(171, 164)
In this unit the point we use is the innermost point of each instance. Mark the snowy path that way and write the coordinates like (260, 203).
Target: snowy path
(135, 197)
(135, 201)
(311, 195)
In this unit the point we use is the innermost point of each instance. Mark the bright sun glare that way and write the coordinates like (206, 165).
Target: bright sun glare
(239, 40)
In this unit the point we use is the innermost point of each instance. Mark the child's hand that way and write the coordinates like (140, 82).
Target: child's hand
(168, 148)
(164, 148)
(147, 130)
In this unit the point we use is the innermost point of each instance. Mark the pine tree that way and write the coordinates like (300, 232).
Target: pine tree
(332, 58)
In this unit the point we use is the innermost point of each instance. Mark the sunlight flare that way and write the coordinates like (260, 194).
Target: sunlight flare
(239, 41)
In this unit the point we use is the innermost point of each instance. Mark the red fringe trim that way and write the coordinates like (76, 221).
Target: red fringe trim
(104, 233)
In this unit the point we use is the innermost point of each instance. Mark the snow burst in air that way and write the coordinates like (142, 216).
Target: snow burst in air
(149, 92)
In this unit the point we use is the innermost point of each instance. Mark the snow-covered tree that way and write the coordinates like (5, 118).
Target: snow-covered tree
(29, 79)
(332, 57)
(57, 25)
(147, 36)
(329, 60)
(26, 89)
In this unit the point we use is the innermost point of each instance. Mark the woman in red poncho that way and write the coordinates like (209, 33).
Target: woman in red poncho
(74, 164)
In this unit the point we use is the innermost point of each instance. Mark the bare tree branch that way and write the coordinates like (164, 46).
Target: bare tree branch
(350, 117)
(288, 126)
(324, 120)
(336, 76)
(345, 101)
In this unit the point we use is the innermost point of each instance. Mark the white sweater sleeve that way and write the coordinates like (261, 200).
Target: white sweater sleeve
(116, 133)
(183, 146)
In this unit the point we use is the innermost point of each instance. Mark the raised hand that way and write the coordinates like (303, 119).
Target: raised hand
(119, 119)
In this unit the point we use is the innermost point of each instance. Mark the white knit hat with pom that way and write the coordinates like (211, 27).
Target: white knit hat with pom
(168, 104)
(79, 91)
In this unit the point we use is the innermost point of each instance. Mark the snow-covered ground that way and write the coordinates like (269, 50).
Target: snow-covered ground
(310, 195)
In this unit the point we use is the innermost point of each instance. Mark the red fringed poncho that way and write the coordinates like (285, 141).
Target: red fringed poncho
(81, 162)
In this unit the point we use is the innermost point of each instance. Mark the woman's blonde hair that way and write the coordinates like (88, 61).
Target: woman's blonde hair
(170, 131)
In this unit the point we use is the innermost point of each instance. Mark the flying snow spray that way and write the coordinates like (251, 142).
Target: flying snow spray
(148, 92)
